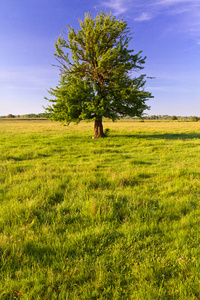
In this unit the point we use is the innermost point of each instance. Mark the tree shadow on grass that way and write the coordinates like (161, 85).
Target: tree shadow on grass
(40, 253)
(164, 136)
(84, 244)
(26, 157)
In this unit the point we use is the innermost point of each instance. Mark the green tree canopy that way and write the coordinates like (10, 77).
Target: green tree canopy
(96, 74)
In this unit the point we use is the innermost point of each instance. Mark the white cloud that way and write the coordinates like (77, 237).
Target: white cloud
(186, 13)
(117, 6)
(144, 17)
(173, 2)
(152, 8)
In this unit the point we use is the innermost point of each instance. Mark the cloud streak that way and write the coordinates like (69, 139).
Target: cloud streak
(145, 16)
(187, 12)
(117, 6)
(170, 7)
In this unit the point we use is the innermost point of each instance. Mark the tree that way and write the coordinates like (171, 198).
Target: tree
(96, 80)
(10, 116)
(194, 119)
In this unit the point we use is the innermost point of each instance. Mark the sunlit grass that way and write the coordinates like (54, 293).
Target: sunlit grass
(114, 218)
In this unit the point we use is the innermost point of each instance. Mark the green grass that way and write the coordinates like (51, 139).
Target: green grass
(114, 218)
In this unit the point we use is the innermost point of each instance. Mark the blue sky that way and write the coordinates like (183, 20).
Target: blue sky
(167, 31)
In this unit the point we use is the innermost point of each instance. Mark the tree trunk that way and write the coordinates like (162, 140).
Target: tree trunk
(98, 129)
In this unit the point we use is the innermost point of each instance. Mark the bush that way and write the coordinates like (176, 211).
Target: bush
(194, 119)
(174, 118)
(10, 116)
(107, 132)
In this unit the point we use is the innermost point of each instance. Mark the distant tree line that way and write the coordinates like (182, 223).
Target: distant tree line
(173, 118)
(148, 117)
(27, 116)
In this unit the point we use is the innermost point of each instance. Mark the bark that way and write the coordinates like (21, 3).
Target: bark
(98, 129)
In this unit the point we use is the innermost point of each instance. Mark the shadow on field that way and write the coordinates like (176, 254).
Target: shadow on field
(40, 253)
(164, 136)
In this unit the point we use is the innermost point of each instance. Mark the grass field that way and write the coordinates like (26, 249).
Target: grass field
(113, 218)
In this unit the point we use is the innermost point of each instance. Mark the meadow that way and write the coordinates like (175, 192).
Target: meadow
(112, 218)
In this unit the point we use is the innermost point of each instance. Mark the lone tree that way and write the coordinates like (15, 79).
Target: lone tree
(96, 77)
